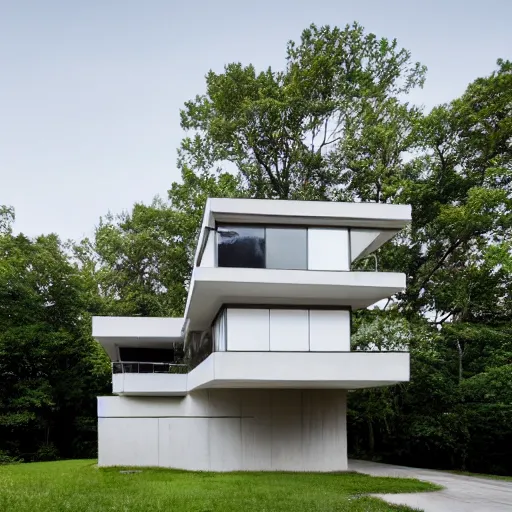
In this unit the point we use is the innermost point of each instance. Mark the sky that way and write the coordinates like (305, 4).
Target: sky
(90, 91)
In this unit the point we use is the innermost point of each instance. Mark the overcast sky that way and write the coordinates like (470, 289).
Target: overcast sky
(90, 90)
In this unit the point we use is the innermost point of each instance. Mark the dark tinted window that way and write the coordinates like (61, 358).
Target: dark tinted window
(146, 355)
(240, 246)
(286, 248)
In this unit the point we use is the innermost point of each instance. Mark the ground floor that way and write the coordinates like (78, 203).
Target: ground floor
(226, 430)
(460, 494)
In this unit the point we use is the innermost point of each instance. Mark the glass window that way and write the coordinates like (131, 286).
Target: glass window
(240, 246)
(286, 248)
(219, 333)
(146, 355)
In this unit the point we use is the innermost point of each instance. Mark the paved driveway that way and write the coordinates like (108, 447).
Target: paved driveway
(461, 493)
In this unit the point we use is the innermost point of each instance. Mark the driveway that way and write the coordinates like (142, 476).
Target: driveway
(460, 493)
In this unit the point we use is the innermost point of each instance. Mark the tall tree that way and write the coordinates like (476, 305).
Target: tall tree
(50, 368)
(277, 129)
(141, 261)
(462, 205)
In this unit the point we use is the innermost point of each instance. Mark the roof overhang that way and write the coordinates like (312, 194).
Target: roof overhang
(388, 218)
(302, 370)
(211, 287)
(147, 332)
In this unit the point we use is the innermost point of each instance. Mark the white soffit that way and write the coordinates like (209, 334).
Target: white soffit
(212, 287)
(361, 241)
(148, 332)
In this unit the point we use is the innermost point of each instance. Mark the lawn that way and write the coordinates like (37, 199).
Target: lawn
(78, 485)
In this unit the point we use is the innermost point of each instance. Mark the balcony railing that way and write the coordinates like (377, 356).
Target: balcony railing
(143, 367)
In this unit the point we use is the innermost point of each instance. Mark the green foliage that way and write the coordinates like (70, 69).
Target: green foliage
(82, 487)
(6, 218)
(50, 367)
(443, 417)
(462, 202)
(5, 458)
(279, 130)
(140, 262)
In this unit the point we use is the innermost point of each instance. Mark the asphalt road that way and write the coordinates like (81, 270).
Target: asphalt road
(460, 493)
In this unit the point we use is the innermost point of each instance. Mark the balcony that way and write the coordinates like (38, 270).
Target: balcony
(278, 370)
(306, 370)
(149, 379)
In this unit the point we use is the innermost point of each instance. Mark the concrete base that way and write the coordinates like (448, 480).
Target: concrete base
(226, 430)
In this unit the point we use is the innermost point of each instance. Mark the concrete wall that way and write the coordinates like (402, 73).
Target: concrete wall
(168, 384)
(300, 370)
(226, 430)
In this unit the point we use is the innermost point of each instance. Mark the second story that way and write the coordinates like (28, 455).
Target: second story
(270, 303)
(295, 253)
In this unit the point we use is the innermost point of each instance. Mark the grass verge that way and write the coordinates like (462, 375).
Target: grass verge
(481, 475)
(79, 486)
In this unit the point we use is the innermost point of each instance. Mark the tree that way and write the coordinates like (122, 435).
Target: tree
(277, 129)
(50, 368)
(462, 202)
(457, 257)
(6, 219)
(141, 262)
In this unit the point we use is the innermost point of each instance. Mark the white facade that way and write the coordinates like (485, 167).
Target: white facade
(266, 335)
(226, 430)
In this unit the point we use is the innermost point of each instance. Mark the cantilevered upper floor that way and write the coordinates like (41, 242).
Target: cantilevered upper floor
(258, 251)
(269, 305)
(335, 233)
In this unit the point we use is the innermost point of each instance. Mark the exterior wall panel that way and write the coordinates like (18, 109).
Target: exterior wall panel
(128, 441)
(289, 330)
(297, 430)
(328, 249)
(248, 329)
(209, 258)
(184, 443)
(360, 241)
(329, 331)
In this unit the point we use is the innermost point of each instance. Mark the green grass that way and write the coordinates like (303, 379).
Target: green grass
(78, 485)
(481, 475)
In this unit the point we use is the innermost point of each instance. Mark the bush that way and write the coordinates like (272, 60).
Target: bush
(5, 458)
(47, 452)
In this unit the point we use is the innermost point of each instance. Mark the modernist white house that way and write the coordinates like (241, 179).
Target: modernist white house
(266, 338)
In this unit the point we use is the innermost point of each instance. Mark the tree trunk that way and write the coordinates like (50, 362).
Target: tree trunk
(461, 353)
(371, 437)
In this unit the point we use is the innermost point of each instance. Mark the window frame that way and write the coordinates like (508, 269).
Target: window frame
(220, 225)
(306, 227)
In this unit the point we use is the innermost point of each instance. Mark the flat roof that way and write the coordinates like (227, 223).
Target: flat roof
(377, 216)
(323, 213)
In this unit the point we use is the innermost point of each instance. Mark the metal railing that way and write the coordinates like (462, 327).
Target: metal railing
(143, 367)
